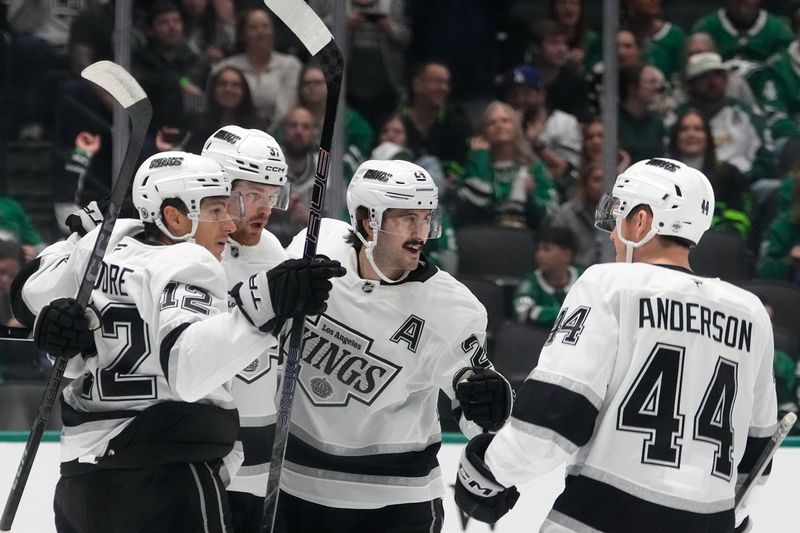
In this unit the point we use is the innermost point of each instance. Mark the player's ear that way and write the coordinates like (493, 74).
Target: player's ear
(175, 220)
(367, 228)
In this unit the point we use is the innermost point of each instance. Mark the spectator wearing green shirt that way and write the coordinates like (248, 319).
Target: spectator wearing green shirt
(662, 42)
(777, 86)
(641, 131)
(539, 297)
(14, 220)
(743, 30)
(504, 183)
(780, 248)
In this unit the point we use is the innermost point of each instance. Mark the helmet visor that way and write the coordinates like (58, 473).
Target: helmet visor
(423, 223)
(274, 197)
(220, 209)
(605, 216)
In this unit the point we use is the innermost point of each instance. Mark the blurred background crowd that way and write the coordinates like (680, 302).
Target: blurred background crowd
(499, 99)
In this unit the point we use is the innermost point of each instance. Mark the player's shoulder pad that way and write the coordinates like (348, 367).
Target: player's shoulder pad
(331, 240)
(188, 263)
(445, 294)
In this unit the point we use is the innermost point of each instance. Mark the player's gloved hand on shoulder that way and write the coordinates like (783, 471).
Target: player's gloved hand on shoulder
(85, 220)
(63, 328)
(485, 396)
(478, 493)
(294, 288)
(300, 287)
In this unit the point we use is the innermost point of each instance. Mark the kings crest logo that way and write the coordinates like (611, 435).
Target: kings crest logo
(258, 368)
(337, 365)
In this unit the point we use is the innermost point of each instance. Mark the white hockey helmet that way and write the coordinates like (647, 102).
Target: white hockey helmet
(680, 197)
(250, 155)
(381, 185)
(181, 175)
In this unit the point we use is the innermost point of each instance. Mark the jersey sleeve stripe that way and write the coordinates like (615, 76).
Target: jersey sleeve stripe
(752, 451)
(71, 417)
(405, 464)
(559, 409)
(762, 432)
(544, 434)
(257, 444)
(166, 347)
(572, 385)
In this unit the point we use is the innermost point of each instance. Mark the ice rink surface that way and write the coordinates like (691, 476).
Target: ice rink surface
(773, 513)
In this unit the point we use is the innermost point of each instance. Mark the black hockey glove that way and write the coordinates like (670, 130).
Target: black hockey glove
(63, 329)
(478, 494)
(299, 287)
(485, 396)
(85, 220)
(296, 287)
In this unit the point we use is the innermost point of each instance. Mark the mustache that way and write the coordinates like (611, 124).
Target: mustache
(412, 242)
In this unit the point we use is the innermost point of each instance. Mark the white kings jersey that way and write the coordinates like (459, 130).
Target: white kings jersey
(254, 388)
(364, 428)
(165, 335)
(661, 381)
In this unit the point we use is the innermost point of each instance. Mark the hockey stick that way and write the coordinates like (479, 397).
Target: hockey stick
(311, 31)
(763, 460)
(124, 89)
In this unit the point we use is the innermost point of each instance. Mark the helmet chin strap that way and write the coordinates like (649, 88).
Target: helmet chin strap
(629, 245)
(189, 237)
(368, 247)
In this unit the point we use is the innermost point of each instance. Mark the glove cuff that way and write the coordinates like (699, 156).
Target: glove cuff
(473, 472)
(253, 300)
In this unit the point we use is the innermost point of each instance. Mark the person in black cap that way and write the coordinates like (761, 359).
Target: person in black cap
(555, 135)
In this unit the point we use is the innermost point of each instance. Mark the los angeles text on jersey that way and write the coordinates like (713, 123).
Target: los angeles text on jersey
(675, 315)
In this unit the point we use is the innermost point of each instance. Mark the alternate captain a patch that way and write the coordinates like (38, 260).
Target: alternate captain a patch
(410, 333)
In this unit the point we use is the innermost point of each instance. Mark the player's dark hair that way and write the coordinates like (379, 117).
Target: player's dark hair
(629, 79)
(545, 29)
(561, 236)
(151, 231)
(670, 238)
(362, 214)
(11, 250)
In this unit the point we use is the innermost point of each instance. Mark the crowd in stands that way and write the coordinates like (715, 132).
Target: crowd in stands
(509, 130)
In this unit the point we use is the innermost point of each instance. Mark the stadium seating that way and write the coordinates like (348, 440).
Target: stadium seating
(722, 254)
(492, 296)
(495, 252)
(516, 350)
(784, 299)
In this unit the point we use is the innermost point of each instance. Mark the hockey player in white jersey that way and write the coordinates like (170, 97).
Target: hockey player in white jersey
(655, 384)
(257, 168)
(149, 417)
(364, 433)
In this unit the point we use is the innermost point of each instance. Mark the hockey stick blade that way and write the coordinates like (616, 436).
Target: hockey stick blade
(127, 92)
(784, 426)
(309, 28)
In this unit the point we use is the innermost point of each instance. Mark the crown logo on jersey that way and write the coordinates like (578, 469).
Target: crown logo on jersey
(321, 387)
(337, 364)
(258, 368)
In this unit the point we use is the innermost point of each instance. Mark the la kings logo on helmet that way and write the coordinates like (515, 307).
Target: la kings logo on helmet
(337, 365)
(227, 136)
